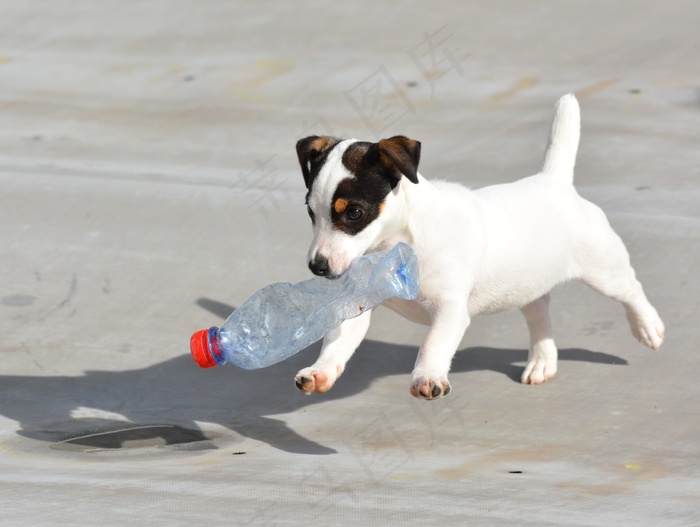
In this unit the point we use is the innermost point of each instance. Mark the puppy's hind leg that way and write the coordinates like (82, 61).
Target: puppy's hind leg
(542, 357)
(606, 268)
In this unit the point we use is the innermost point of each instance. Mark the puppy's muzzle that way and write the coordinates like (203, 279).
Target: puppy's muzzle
(319, 266)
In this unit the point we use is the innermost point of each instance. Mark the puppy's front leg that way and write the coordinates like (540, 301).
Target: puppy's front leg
(450, 321)
(338, 347)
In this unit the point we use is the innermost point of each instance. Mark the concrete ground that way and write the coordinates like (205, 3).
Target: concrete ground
(150, 185)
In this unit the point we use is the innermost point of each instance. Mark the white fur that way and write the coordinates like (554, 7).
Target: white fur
(494, 249)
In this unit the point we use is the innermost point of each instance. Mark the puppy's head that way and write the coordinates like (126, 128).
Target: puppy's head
(351, 186)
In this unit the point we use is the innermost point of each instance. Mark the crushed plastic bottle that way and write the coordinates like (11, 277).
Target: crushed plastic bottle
(282, 319)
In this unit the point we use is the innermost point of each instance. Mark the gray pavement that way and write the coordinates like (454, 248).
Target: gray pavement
(150, 185)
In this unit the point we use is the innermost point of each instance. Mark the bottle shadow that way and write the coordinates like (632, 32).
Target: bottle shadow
(177, 391)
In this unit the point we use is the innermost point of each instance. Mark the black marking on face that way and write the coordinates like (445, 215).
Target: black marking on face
(377, 169)
(311, 215)
(359, 200)
(360, 206)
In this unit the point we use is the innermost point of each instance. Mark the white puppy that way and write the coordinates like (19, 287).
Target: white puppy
(494, 249)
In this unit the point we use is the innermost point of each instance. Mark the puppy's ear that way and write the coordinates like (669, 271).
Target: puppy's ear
(309, 149)
(403, 154)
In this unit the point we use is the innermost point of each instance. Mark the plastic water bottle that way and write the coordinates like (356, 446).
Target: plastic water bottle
(282, 319)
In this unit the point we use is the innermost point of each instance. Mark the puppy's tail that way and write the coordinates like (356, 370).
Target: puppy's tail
(560, 156)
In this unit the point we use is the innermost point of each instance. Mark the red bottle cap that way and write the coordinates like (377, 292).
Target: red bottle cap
(199, 346)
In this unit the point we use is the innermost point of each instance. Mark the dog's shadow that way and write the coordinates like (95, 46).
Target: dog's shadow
(177, 391)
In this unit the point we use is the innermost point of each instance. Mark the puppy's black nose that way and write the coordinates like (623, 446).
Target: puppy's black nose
(319, 266)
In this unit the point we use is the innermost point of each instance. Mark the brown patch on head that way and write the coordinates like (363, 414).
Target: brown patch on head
(340, 205)
(312, 151)
(402, 154)
(381, 206)
(321, 143)
(354, 156)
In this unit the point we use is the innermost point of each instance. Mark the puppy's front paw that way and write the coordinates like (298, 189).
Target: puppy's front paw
(317, 380)
(430, 389)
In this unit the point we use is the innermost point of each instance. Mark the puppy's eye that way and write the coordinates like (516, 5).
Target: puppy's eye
(311, 214)
(353, 213)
